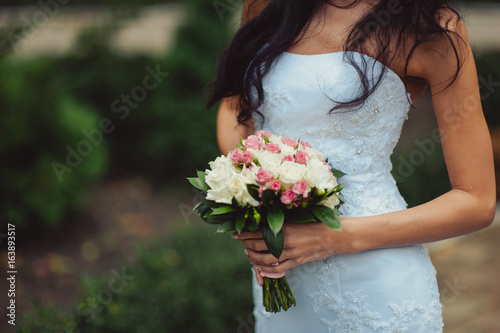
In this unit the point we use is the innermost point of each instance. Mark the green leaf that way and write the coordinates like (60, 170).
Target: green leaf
(253, 190)
(215, 219)
(340, 198)
(240, 223)
(337, 173)
(227, 226)
(327, 216)
(274, 242)
(214, 205)
(198, 205)
(208, 215)
(317, 198)
(268, 196)
(275, 218)
(301, 216)
(252, 227)
(203, 208)
(224, 210)
(201, 177)
(196, 182)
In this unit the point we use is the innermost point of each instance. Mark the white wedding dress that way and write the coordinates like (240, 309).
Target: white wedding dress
(386, 290)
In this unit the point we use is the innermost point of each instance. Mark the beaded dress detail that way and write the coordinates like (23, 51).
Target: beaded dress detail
(383, 291)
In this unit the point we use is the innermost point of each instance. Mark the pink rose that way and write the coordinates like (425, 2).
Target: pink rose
(261, 133)
(287, 197)
(288, 158)
(289, 142)
(264, 176)
(236, 155)
(253, 142)
(301, 188)
(275, 185)
(246, 157)
(301, 157)
(305, 144)
(261, 190)
(273, 148)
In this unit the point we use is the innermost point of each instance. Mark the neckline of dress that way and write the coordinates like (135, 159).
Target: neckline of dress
(343, 52)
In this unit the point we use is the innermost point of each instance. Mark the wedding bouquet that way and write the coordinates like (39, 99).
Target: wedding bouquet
(266, 181)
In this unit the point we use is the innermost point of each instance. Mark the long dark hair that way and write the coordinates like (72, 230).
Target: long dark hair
(262, 39)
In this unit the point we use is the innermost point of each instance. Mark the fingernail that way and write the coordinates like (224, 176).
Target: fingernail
(235, 235)
(263, 274)
(246, 251)
(260, 269)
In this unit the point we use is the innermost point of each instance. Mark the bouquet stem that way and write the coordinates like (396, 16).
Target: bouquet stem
(277, 294)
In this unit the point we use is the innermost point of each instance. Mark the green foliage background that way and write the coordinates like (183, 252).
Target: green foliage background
(49, 102)
(173, 287)
(119, 2)
(39, 121)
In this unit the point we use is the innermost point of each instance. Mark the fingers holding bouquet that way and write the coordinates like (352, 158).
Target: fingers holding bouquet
(302, 243)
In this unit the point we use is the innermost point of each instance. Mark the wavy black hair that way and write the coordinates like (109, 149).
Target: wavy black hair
(390, 25)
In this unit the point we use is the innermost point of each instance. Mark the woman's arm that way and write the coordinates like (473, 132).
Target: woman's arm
(229, 131)
(469, 206)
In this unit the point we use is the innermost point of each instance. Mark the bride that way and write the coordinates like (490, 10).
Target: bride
(342, 74)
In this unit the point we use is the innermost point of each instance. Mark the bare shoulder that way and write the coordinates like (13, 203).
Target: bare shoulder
(252, 8)
(436, 60)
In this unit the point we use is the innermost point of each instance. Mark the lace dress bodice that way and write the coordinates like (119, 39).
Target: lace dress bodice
(389, 290)
(357, 141)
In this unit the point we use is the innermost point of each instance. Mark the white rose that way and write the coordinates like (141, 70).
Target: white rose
(331, 201)
(221, 195)
(237, 185)
(286, 150)
(275, 139)
(291, 172)
(319, 176)
(256, 153)
(250, 175)
(313, 153)
(270, 161)
(222, 169)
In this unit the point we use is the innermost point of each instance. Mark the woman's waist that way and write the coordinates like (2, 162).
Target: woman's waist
(370, 195)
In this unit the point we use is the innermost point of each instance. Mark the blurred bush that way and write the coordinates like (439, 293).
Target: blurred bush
(165, 133)
(192, 282)
(420, 174)
(81, 2)
(489, 78)
(146, 114)
(46, 159)
(133, 2)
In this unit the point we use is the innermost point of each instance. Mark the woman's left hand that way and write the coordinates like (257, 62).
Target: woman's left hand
(304, 242)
